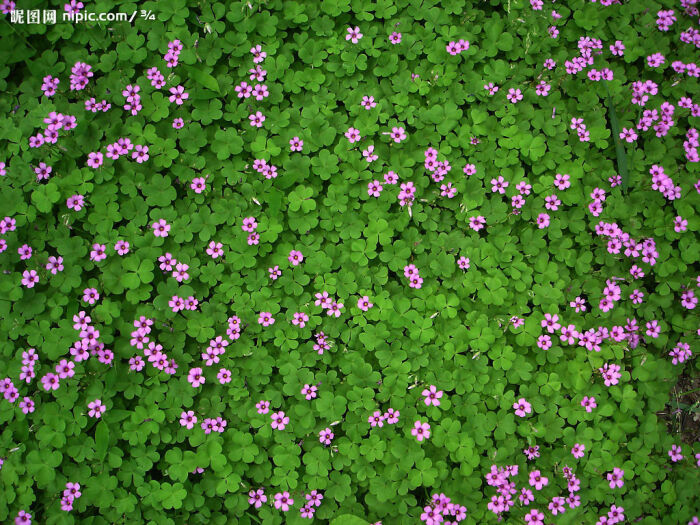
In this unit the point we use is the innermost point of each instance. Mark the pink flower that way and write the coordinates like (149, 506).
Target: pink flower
(537, 480)
(550, 322)
(256, 119)
(98, 252)
(95, 159)
(532, 452)
(542, 89)
(309, 392)
(617, 48)
(243, 90)
(432, 396)
(75, 202)
(578, 450)
(257, 498)
(611, 373)
(27, 406)
(25, 252)
(140, 153)
(688, 299)
(96, 409)
(326, 436)
(392, 416)
(391, 178)
(353, 135)
(477, 223)
(296, 144)
(176, 304)
(260, 92)
(628, 134)
(491, 88)
(180, 273)
(224, 376)
(368, 102)
(522, 407)
(36, 141)
(160, 228)
(279, 420)
(334, 309)
(121, 247)
(249, 224)
(258, 54)
(283, 501)
(263, 407)
(300, 319)
(90, 295)
(374, 188)
(136, 363)
(198, 184)
(195, 377)
(675, 453)
(562, 182)
(398, 134)
(499, 185)
(514, 95)
(542, 220)
(395, 38)
(314, 498)
(526, 497)
(420, 430)
(588, 403)
(463, 45)
(376, 419)
(178, 95)
(42, 171)
(453, 48)
(266, 319)
(65, 369)
(616, 478)
(188, 419)
(30, 278)
(295, 257)
(364, 304)
(215, 250)
(680, 224)
(463, 263)
(369, 154)
(534, 517)
(578, 304)
(354, 35)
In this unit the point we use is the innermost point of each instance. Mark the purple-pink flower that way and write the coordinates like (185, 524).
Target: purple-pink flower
(522, 407)
(96, 408)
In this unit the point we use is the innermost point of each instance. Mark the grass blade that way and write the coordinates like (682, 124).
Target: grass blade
(622, 166)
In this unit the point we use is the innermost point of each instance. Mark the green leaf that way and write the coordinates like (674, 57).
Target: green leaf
(101, 439)
(348, 519)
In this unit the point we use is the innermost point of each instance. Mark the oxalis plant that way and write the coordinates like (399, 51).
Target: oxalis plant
(351, 261)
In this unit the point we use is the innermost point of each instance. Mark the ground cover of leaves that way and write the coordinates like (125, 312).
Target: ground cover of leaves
(349, 261)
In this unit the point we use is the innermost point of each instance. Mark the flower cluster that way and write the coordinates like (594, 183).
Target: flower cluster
(411, 273)
(173, 53)
(441, 509)
(70, 494)
(455, 48)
